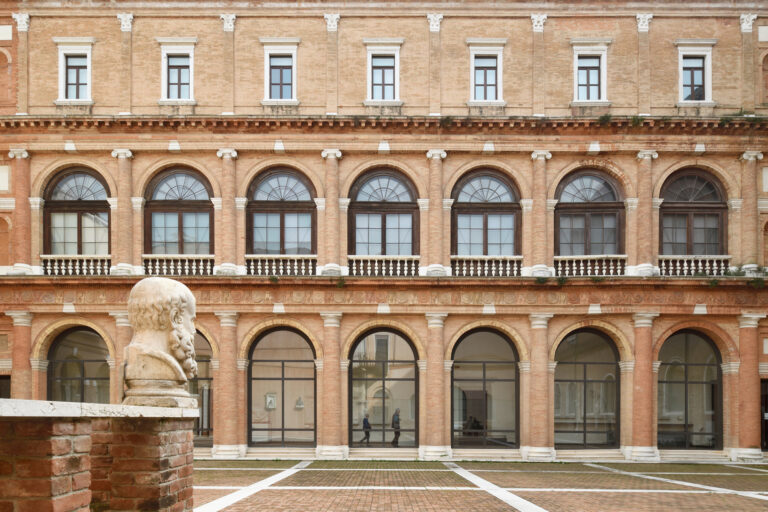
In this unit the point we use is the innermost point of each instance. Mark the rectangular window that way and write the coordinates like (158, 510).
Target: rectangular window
(501, 235)
(572, 235)
(485, 77)
(602, 234)
(588, 78)
(674, 234)
(95, 232)
(64, 233)
(590, 73)
(298, 233)
(5, 386)
(76, 77)
(266, 233)
(196, 232)
(469, 235)
(280, 77)
(706, 234)
(399, 234)
(693, 78)
(367, 234)
(179, 77)
(165, 233)
(383, 77)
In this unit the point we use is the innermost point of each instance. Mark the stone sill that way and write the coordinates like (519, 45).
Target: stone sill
(44, 409)
(278, 103)
(78, 103)
(494, 103)
(590, 104)
(383, 103)
(683, 104)
(176, 102)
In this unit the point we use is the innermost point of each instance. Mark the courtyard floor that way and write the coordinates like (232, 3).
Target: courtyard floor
(350, 486)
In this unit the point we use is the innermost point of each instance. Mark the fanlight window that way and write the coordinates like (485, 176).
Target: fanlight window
(384, 189)
(486, 217)
(77, 215)
(281, 215)
(179, 215)
(589, 216)
(692, 216)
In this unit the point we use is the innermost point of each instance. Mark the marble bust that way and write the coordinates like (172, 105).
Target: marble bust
(160, 359)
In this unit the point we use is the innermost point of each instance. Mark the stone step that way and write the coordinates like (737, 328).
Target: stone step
(482, 455)
(384, 453)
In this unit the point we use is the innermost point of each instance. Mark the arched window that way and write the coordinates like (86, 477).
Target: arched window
(586, 391)
(201, 387)
(179, 214)
(78, 370)
(589, 215)
(486, 216)
(281, 214)
(690, 409)
(383, 216)
(693, 215)
(281, 391)
(485, 391)
(383, 383)
(76, 214)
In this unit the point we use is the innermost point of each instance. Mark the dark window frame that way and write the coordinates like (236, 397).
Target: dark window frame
(177, 206)
(281, 207)
(485, 85)
(587, 209)
(384, 85)
(693, 208)
(178, 85)
(203, 432)
(588, 83)
(80, 207)
(382, 208)
(486, 209)
(688, 81)
(81, 72)
(51, 380)
(281, 83)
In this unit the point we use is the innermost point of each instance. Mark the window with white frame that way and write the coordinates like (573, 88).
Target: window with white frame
(590, 77)
(383, 71)
(486, 71)
(74, 69)
(695, 70)
(178, 70)
(280, 70)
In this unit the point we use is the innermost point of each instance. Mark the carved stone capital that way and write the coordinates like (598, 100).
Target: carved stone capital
(630, 203)
(320, 203)
(746, 21)
(423, 204)
(217, 203)
(541, 154)
(344, 203)
(227, 318)
(644, 319)
(731, 368)
(750, 320)
(447, 204)
(656, 365)
(122, 153)
(735, 204)
(434, 21)
(331, 319)
(344, 365)
(526, 205)
(436, 319)
(126, 21)
(448, 365)
(626, 366)
(551, 204)
(318, 364)
(540, 320)
(647, 153)
(137, 203)
(242, 364)
(331, 22)
(22, 21)
(422, 364)
(230, 153)
(656, 201)
(39, 365)
(18, 153)
(228, 21)
(438, 154)
(23, 318)
(240, 203)
(36, 203)
(538, 22)
(751, 156)
(524, 366)
(121, 318)
(331, 153)
(112, 201)
(551, 365)
(643, 22)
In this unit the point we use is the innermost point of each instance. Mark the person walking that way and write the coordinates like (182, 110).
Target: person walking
(396, 427)
(366, 431)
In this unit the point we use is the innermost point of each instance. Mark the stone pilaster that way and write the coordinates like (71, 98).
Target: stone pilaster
(749, 214)
(123, 338)
(749, 388)
(331, 443)
(435, 63)
(643, 64)
(540, 426)
(121, 228)
(539, 64)
(332, 64)
(748, 64)
(22, 57)
(227, 440)
(436, 446)
(225, 251)
(126, 62)
(647, 245)
(643, 380)
(137, 204)
(228, 99)
(21, 213)
(437, 260)
(332, 225)
(21, 378)
(539, 214)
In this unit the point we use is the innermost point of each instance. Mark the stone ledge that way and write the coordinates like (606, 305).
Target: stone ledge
(14, 408)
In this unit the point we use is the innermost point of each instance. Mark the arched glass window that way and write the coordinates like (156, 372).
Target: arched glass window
(693, 215)
(281, 214)
(383, 387)
(281, 393)
(201, 387)
(485, 391)
(586, 391)
(383, 216)
(589, 215)
(179, 214)
(76, 214)
(77, 367)
(486, 216)
(690, 408)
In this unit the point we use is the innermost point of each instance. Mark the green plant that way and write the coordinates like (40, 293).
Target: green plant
(341, 283)
(597, 279)
(637, 121)
(561, 280)
(724, 121)
(446, 121)
(541, 280)
(273, 279)
(713, 282)
(604, 119)
(756, 283)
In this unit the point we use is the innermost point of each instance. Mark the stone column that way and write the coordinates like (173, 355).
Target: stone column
(240, 248)
(437, 446)
(332, 64)
(21, 376)
(21, 213)
(643, 65)
(126, 62)
(225, 391)
(123, 338)
(435, 63)
(138, 235)
(228, 99)
(538, 100)
(749, 389)
(748, 64)
(121, 227)
(647, 244)
(22, 57)
(749, 216)
(540, 265)
(332, 232)
(331, 444)
(436, 263)
(643, 424)
(229, 234)
(540, 427)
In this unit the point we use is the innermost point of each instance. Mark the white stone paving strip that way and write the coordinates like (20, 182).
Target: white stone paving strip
(334, 469)
(711, 488)
(369, 488)
(229, 499)
(219, 487)
(750, 468)
(495, 491)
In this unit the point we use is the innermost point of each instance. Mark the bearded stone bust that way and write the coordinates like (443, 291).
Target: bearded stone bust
(161, 355)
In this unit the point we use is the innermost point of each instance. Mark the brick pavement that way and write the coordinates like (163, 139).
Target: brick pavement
(642, 502)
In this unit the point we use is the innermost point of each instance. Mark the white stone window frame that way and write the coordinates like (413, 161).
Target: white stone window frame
(280, 46)
(176, 46)
(487, 48)
(695, 48)
(592, 47)
(69, 46)
(382, 46)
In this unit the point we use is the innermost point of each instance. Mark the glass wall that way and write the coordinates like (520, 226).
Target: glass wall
(77, 368)
(690, 393)
(201, 387)
(281, 394)
(586, 391)
(384, 389)
(485, 391)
